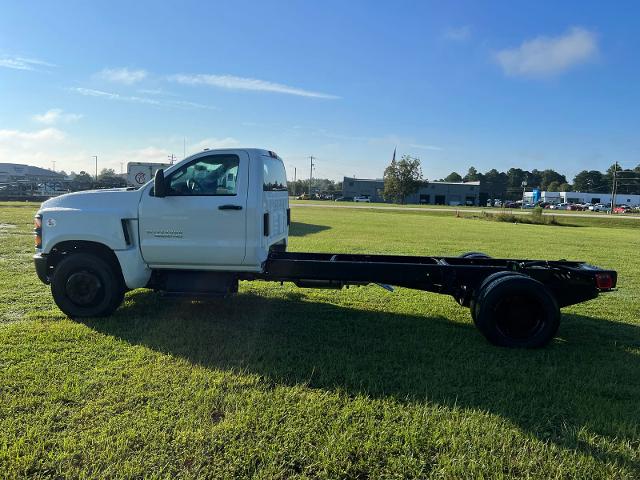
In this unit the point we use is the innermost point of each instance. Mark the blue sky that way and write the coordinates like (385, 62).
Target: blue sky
(489, 84)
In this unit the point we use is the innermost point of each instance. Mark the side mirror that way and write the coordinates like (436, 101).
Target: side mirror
(159, 187)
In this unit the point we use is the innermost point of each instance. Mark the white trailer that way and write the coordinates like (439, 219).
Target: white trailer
(139, 173)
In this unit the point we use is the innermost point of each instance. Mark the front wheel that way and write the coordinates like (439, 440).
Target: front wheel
(84, 285)
(517, 311)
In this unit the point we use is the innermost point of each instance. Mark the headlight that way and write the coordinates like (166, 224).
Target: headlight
(37, 230)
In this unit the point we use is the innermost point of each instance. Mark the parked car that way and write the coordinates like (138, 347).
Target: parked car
(599, 207)
(362, 198)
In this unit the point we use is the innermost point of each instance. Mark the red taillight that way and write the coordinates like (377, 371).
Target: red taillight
(604, 281)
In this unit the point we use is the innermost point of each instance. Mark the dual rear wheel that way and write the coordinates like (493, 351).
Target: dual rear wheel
(513, 310)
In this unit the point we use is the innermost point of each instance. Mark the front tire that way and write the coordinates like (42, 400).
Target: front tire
(517, 311)
(84, 285)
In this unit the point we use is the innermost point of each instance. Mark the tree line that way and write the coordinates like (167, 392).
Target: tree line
(509, 184)
(319, 185)
(107, 178)
(404, 177)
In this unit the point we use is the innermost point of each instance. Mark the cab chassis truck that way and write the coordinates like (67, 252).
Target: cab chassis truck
(221, 216)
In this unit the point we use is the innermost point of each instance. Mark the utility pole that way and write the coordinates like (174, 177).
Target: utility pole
(311, 172)
(295, 180)
(96, 157)
(614, 187)
(524, 189)
(171, 158)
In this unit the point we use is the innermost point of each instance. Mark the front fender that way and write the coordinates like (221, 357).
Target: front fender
(70, 224)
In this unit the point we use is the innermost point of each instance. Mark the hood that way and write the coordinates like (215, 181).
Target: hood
(123, 200)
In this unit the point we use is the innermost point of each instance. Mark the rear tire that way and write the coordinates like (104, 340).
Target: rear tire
(473, 303)
(517, 311)
(474, 255)
(84, 285)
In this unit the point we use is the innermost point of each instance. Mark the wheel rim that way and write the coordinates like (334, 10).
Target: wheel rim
(84, 288)
(519, 317)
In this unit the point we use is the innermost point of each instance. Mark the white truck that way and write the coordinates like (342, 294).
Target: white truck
(221, 216)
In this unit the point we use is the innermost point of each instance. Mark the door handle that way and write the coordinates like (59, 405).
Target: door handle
(230, 207)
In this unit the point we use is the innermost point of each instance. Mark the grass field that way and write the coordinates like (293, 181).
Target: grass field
(280, 382)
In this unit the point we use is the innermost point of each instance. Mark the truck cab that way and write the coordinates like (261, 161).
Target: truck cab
(215, 212)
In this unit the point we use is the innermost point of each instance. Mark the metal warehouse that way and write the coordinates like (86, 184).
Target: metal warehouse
(430, 193)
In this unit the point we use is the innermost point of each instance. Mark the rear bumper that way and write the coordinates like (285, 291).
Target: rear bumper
(40, 262)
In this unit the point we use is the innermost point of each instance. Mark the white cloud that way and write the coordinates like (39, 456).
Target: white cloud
(38, 147)
(90, 92)
(425, 147)
(239, 83)
(22, 63)
(226, 142)
(27, 138)
(457, 34)
(122, 75)
(545, 56)
(56, 115)
(156, 91)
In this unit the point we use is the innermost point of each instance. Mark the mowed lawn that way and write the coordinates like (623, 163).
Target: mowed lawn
(281, 382)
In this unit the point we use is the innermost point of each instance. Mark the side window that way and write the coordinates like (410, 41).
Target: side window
(275, 177)
(211, 175)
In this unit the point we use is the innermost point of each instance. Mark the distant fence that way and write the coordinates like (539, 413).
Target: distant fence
(24, 198)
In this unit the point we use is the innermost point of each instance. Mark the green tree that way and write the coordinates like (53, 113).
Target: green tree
(402, 178)
(553, 187)
(472, 175)
(109, 179)
(453, 177)
(590, 181)
(550, 176)
(566, 187)
(81, 181)
(495, 183)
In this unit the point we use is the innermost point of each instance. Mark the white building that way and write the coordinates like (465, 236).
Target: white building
(584, 197)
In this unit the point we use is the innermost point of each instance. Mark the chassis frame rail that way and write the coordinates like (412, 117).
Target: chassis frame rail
(570, 282)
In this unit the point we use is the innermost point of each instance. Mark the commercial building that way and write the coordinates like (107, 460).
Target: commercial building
(18, 179)
(584, 197)
(15, 172)
(429, 193)
(363, 187)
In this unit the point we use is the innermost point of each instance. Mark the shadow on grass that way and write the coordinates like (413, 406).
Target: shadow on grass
(587, 382)
(298, 229)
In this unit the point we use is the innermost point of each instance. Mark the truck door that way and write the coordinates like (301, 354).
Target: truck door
(202, 220)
